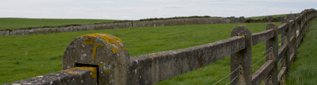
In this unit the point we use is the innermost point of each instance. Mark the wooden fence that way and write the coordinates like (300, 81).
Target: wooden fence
(103, 59)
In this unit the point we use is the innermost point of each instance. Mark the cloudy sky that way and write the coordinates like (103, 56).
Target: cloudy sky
(140, 9)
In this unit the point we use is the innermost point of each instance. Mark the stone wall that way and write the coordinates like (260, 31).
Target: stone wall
(266, 19)
(120, 25)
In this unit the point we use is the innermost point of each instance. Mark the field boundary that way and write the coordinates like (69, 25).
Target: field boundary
(155, 22)
(122, 24)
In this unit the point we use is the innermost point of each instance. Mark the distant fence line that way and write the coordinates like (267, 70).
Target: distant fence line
(123, 24)
(103, 59)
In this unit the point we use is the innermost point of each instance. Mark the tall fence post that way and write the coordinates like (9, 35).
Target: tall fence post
(294, 31)
(272, 45)
(242, 59)
(289, 47)
(105, 52)
(286, 42)
(293, 40)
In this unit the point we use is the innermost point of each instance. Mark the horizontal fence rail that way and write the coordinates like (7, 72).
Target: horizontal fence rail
(103, 59)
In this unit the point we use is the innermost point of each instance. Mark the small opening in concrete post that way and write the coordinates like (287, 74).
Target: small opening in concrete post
(243, 57)
(104, 51)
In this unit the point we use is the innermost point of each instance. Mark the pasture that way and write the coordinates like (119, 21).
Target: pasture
(28, 56)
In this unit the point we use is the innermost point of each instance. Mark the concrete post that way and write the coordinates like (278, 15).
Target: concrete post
(243, 58)
(272, 45)
(287, 42)
(105, 52)
(286, 35)
(294, 40)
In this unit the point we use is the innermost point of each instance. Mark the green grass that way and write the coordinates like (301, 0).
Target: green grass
(303, 70)
(274, 16)
(15, 23)
(28, 56)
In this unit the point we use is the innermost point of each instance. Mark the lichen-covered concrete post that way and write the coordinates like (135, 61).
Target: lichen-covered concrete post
(272, 45)
(243, 58)
(105, 52)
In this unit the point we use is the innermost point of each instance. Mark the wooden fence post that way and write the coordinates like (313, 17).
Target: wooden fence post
(243, 58)
(105, 52)
(272, 45)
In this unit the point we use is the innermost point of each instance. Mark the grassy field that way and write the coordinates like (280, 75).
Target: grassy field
(28, 56)
(304, 71)
(15, 23)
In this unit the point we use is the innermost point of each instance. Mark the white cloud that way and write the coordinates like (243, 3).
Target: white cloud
(278, 0)
(138, 9)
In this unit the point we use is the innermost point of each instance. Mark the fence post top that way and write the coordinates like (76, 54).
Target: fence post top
(104, 51)
(241, 30)
(271, 26)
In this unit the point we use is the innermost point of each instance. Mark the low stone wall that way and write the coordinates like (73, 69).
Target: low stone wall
(266, 19)
(125, 24)
(237, 20)
(185, 21)
(5, 33)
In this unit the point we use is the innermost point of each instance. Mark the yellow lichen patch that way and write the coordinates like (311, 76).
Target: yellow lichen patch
(243, 36)
(108, 61)
(211, 46)
(107, 70)
(69, 71)
(151, 58)
(94, 50)
(153, 55)
(114, 50)
(232, 38)
(110, 40)
(160, 53)
(93, 70)
(89, 41)
(117, 39)
(100, 65)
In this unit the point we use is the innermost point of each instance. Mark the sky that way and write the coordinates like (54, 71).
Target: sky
(142, 9)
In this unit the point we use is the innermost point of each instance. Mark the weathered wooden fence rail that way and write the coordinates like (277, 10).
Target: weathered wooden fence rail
(103, 59)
